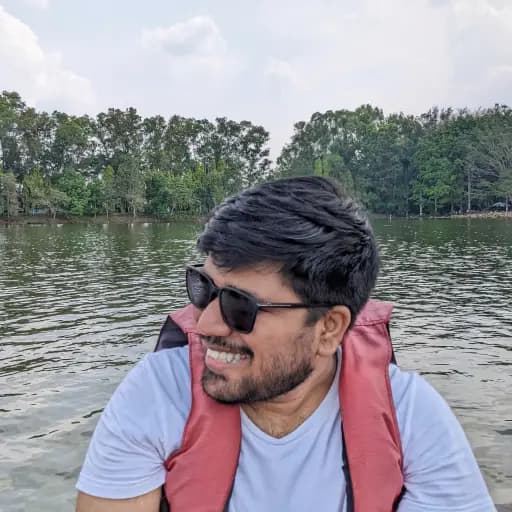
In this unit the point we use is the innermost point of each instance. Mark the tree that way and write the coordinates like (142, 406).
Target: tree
(56, 200)
(40, 194)
(206, 187)
(372, 155)
(72, 145)
(492, 152)
(504, 186)
(8, 195)
(184, 200)
(108, 190)
(159, 193)
(254, 152)
(183, 143)
(36, 130)
(11, 107)
(437, 180)
(95, 197)
(73, 185)
(34, 191)
(119, 135)
(129, 185)
(154, 157)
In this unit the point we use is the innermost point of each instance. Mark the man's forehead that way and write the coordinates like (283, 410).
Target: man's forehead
(263, 268)
(255, 279)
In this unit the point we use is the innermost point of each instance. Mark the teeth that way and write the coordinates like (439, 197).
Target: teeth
(225, 357)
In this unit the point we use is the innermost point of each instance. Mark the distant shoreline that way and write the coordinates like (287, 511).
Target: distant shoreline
(483, 215)
(26, 220)
(128, 219)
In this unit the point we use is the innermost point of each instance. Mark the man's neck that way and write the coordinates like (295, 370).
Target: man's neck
(282, 415)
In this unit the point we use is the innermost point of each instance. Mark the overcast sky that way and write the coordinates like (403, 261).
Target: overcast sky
(273, 62)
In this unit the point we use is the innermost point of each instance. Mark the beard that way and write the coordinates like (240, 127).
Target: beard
(280, 373)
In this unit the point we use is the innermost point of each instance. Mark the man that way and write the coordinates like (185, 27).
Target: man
(289, 266)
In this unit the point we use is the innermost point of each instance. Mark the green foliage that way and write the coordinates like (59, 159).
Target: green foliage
(38, 193)
(159, 194)
(95, 195)
(108, 191)
(129, 185)
(56, 200)
(504, 186)
(11, 109)
(74, 186)
(118, 162)
(35, 192)
(440, 162)
(8, 195)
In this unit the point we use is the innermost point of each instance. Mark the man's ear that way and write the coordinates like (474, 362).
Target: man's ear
(331, 329)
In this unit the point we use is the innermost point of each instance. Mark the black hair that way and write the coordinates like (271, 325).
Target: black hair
(317, 235)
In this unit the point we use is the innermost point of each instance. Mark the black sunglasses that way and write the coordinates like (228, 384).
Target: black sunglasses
(238, 308)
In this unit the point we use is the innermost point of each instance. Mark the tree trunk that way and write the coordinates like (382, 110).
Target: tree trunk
(469, 191)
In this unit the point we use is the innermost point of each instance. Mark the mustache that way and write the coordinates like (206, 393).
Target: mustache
(217, 341)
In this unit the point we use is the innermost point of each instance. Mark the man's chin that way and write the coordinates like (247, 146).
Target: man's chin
(220, 395)
(214, 385)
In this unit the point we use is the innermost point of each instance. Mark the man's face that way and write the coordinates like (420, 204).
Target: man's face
(274, 358)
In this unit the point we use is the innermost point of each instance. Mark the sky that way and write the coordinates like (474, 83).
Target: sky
(272, 62)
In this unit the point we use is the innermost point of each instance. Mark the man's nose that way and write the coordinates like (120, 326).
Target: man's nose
(210, 321)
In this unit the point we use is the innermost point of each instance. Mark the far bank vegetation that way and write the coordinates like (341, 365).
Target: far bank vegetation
(118, 163)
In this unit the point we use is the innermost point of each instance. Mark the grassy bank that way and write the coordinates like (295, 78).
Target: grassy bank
(99, 219)
(129, 219)
(484, 215)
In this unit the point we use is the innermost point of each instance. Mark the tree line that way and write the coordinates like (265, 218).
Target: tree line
(443, 161)
(118, 162)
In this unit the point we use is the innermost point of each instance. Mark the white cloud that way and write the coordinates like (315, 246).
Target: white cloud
(191, 50)
(40, 77)
(285, 74)
(196, 36)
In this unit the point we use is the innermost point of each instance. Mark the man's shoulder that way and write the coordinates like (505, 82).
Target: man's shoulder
(425, 420)
(168, 371)
(411, 392)
(141, 425)
(169, 359)
(404, 384)
(440, 469)
(158, 384)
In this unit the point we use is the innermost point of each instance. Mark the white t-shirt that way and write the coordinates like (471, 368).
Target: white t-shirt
(144, 421)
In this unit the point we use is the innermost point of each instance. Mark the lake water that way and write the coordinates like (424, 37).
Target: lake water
(81, 304)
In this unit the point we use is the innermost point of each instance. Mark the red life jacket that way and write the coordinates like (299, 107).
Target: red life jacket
(200, 474)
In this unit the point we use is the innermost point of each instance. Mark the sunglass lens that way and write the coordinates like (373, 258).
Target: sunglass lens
(199, 288)
(239, 310)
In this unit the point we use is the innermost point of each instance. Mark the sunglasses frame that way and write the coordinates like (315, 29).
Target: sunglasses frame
(217, 292)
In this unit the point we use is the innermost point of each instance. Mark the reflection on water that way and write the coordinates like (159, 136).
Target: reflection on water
(81, 304)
